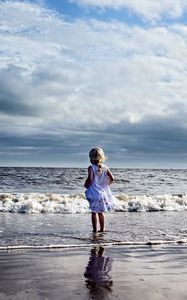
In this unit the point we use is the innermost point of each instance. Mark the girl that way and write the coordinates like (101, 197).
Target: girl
(98, 191)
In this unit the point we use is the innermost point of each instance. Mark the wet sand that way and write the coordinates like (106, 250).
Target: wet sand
(127, 273)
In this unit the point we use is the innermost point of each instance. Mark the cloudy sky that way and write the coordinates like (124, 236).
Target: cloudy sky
(75, 74)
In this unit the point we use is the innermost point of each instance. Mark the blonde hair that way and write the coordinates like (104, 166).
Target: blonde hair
(96, 155)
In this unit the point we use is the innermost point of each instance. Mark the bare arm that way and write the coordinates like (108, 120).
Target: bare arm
(110, 176)
(89, 179)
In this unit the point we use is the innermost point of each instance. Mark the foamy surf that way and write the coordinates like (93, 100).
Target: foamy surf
(76, 203)
(104, 244)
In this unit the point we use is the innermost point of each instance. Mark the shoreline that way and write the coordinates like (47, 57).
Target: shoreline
(130, 273)
(88, 245)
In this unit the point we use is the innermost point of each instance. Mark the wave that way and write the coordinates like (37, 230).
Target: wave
(104, 244)
(76, 203)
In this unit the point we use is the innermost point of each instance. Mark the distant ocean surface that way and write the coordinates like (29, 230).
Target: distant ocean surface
(40, 206)
(71, 180)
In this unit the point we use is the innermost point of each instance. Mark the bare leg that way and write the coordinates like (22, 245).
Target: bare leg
(102, 221)
(94, 221)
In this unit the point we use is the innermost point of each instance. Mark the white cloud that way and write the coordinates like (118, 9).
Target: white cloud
(76, 67)
(148, 9)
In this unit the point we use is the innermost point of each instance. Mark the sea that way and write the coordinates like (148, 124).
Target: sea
(46, 208)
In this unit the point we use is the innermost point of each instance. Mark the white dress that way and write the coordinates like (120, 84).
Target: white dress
(99, 194)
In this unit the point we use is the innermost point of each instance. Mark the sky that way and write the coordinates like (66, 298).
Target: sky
(79, 74)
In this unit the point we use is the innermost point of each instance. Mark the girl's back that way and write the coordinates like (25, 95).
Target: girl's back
(99, 177)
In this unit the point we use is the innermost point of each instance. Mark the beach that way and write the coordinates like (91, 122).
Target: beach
(93, 144)
(157, 272)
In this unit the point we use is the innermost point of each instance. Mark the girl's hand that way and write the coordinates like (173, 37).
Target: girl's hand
(110, 177)
(108, 180)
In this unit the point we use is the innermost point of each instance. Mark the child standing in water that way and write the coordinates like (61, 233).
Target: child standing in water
(98, 191)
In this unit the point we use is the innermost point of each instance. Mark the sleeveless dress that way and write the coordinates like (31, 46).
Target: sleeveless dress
(99, 194)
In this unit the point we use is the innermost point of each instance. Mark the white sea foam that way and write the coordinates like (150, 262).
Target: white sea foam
(76, 203)
(107, 244)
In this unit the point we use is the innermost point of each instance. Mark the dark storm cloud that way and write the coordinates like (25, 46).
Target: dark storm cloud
(124, 141)
(166, 135)
(17, 97)
(11, 105)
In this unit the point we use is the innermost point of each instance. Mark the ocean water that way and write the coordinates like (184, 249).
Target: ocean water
(46, 207)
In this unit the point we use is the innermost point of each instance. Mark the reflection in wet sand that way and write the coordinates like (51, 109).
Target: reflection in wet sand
(97, 273)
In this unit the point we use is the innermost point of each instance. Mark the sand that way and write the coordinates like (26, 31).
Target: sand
(127, 273)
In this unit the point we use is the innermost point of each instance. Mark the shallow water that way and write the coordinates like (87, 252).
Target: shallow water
(50, 229)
